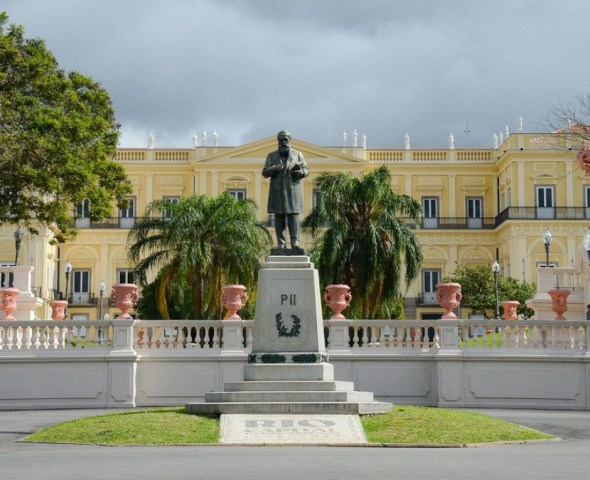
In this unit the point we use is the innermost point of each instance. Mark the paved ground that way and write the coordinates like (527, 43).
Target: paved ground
(566, 459)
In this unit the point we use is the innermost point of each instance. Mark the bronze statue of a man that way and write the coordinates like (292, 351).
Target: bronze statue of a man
(285, 167)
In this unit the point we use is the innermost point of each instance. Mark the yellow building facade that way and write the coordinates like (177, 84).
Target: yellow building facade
(478, 205)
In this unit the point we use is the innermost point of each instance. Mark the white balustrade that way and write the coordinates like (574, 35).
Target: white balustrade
(50, 335)
(206, 337)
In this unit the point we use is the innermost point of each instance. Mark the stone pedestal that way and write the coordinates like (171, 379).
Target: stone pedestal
(288, 329)
(288, 369)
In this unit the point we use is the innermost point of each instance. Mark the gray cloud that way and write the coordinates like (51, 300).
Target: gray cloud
(250, 67)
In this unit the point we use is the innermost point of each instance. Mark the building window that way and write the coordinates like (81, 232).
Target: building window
(127, 215)
(429, 280)
(474, 212)
(430, 212)
(80, 287)
(544, 197)
(587, 200)
(125, 276)
(167, 214)
(82, 209)
(237, 193)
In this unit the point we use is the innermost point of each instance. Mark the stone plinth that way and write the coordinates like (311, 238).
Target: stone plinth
(288, 369)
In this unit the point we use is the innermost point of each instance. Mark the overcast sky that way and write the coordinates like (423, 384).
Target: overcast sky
(248, 68)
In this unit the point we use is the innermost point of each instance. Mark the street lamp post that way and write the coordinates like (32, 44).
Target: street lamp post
(547, 237)
(68, 270)
(586, 244)
(496, 270)
(18, 238)
(101, 288)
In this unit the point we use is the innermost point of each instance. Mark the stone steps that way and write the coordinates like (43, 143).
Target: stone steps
(342, 408)
(282, 385)
(288, 396)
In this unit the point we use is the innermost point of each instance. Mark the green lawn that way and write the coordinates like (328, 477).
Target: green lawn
(160, 426)
(442, 426)
(172, 426)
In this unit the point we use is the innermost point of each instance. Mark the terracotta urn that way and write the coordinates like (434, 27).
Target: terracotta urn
(510, 307)
(124, 296)
(448, 296)
(58, 309)
(233, 298)
(559, 301)
(337, 297)
(8, 301)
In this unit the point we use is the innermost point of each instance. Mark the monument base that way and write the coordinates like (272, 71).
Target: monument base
(288, 369)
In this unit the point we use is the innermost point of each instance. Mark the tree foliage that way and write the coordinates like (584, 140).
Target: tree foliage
(479, 292)
(58, 136)
(201, 244)
(366, 241)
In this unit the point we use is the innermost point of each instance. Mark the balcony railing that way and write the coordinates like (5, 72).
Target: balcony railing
(543, 213)
(81, 299)
(434, 223)
(109, 222)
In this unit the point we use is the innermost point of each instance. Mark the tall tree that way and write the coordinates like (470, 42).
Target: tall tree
(572, 121)
(200, 244)
(367, 239)
(478, 289)
(58, 138)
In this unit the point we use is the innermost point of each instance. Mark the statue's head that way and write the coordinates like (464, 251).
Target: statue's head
(284, 139)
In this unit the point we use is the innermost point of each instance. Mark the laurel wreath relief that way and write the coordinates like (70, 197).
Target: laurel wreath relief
(295, 329)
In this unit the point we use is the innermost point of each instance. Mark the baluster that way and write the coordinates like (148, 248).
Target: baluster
(407, 334)
(54, 332)
(139, 333)
(436, 338)
(19, 337)
(149, 337)
(249, 338)
(215, 338)
(37, 338)
(382, 337)
(355, 337)
(45, 337)
(417, 336)
(61, 337)
(167, 336)
(95, 336)
(572, 339)
(10, 337)
(180, 341)
(365, 339)
(28, 335)
(157, 333)
(2, 341)
(174, 335)
(553, 337)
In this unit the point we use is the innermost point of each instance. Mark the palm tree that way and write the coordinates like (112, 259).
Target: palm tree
(196, 246)
(366, 238)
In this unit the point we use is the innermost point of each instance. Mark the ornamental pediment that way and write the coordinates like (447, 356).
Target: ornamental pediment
(257, 151)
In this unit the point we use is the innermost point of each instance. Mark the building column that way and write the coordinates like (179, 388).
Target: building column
(521, 184)
(258, 193)
(149, 194)
(451, 201)
(569, 181)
